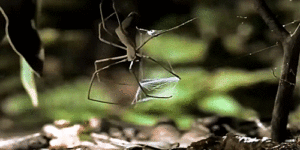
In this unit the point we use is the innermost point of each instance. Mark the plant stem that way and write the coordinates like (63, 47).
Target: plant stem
(291, 46)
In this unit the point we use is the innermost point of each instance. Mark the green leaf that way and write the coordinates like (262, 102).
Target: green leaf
(27, 78)
(17, 21)
(176, 49)
(228, 79)
(68, 101)
(225, 105)
(21, 32)
(221, 103)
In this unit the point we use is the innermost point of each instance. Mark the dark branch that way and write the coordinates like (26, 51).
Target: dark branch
(284, 97)
(291, 48)
(271, 20)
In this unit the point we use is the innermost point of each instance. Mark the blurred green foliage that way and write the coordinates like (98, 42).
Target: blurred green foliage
(176, 48)
(209, 71)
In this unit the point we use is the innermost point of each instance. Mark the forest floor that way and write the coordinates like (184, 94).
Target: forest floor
(213, 133)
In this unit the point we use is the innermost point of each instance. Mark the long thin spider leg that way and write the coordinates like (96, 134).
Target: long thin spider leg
(118, 19)
(150, 58)
(142, 88)
(172, 70)
(93, 77)
(103, 20)
(104, 60)
(102, 25)
(108, 42)
(164, 31)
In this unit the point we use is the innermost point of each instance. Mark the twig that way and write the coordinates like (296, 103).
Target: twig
(271, 20)
(291, 46)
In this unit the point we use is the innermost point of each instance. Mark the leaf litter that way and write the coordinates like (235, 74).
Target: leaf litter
(214, 133)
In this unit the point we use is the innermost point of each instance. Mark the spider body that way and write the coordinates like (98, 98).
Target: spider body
(127, 32)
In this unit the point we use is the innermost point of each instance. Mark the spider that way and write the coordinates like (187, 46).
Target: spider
(126, 33)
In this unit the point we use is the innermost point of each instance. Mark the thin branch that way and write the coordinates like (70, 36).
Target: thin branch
(291, 48)
(284, 97)
(271, 20)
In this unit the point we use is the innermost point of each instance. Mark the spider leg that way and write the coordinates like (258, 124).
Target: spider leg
(102, 25)
(163, 31)
(126, 33)
(93, 77)
(141, 87)
(150, 58)
(103, 20)
(104, 60)
(118, 19)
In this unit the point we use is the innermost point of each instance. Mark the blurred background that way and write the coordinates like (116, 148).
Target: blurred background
(227, 59)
